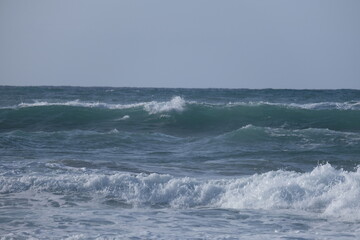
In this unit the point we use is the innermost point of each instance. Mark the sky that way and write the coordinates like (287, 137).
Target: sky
(307, 44)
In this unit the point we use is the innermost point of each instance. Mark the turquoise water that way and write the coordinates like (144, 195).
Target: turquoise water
(142, 163)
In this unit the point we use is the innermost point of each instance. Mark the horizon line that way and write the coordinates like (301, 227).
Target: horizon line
(204, 88)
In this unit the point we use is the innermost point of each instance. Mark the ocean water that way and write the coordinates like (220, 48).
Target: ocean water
(143, 163)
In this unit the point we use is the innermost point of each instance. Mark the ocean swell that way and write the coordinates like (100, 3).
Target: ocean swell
(176, 103)
(179, 116)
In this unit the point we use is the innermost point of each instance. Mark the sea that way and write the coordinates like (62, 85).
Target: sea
(168, 163)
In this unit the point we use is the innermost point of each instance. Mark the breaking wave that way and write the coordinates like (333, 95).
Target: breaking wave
(325, 190)
(176, 103)
(179, 115)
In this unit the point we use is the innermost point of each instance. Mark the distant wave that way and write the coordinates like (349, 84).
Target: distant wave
(351, 105)
(255, 133)
(176, 103)
(249, 137)
(180, 115)
(325, 190)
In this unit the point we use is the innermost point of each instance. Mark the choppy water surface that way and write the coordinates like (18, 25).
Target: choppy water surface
(132, 163)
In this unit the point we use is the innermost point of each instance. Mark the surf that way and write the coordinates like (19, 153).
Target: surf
(325, 190)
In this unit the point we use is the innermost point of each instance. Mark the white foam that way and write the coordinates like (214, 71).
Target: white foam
(74, 103)
(114, 131)
(77, 103)
(176, 103)
(124, 118)
(329, 105)
(351, 105)
(325, 190)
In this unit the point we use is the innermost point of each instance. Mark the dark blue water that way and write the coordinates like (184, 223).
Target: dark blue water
(142, 163)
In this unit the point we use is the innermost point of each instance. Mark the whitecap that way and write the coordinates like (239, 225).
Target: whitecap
(350, 105)
(325, 190)
(124, 118)
(175, 104)
(114, 131)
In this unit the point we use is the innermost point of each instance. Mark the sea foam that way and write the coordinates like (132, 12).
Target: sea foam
(325, 190)
(351, 105)
(176, 103)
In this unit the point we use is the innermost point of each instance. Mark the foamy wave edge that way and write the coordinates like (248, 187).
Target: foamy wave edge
(325, 190)
(350, 105)
(177, 103)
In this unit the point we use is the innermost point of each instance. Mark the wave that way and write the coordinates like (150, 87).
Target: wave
(251, 136)
(350, 105)
(78, 139)
(178, 103)
(319, 135)
(325, 190)
(179, 116)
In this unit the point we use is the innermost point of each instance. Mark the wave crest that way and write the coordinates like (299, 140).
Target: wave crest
(350, 105)
(324, 190)
(176, 114)
(176, 103)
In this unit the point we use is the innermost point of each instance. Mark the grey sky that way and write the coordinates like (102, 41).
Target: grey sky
(184, 43)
